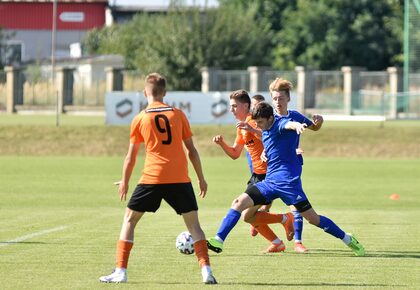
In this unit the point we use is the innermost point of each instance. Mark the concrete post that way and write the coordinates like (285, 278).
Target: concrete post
(14, 88)
(300, 88)
(114, 79)
(257, 80)
(395, 86)
(209, 78)
(351, 85)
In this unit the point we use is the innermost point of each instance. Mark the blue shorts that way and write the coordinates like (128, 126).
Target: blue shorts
(290, 193)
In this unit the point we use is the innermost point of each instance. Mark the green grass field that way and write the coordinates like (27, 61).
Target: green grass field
(75, 199)
(60, 214)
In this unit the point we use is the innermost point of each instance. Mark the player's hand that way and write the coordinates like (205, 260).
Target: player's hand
(202, 184)
(218, 139)
(299, 151)
(244, 126)
(122, 189)
(300, 127)
(263, 156)
(317, 120)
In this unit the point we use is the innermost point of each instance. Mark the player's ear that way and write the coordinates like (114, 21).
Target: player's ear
(145, 93)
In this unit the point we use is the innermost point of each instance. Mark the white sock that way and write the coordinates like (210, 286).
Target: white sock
(346, 239)
(217, 238)
(284, 219)
(276, 241)
(205, 270)
(120, 270)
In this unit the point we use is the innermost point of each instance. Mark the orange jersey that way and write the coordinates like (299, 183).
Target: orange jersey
(253, 145)
(162, 129)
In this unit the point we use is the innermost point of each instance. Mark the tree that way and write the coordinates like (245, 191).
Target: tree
(179, 43)
(327, 34)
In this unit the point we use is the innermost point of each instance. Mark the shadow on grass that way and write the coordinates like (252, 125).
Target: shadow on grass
(262, 284)
(333, 253)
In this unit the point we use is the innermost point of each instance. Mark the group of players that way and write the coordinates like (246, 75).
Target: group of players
(271, 139)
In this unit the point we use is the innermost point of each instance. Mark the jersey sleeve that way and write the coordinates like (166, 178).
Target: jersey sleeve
(298, 117)
(239, 138)
(282, 124)
(135, 135)
(186, 129)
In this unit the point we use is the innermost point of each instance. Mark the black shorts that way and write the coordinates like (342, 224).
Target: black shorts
(147, 197)
(256, 195)
(255, 178)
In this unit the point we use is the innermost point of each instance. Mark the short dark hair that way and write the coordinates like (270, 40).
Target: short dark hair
(241, 96)
(262, 110)
(258, 97)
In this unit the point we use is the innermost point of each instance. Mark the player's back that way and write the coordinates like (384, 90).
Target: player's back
(162, 129)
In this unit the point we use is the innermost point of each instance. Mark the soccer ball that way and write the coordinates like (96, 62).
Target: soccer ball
(184, 243)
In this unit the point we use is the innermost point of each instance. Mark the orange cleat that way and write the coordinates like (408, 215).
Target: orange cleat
(275, 248)
(289, 227)
(299, 248)
(253, 231)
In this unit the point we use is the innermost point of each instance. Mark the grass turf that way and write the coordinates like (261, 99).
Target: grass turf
(41, 193)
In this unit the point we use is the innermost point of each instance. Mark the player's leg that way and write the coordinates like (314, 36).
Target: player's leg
(181, 197)
(200, 246)
(124, 246)
(298, 224)
(276, 244)
(145, 198)
(239, 204)
(330, 227)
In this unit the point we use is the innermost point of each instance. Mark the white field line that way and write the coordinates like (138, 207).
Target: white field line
(30, 236)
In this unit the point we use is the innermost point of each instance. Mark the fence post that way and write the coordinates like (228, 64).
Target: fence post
(114, 78)
(257, 79)
(395, 86)
(14, 88)
(208, 79)
(304, 89)
(64, 85)
(351, 85)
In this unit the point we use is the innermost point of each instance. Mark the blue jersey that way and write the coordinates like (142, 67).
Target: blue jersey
(297, 117)
(284, 165)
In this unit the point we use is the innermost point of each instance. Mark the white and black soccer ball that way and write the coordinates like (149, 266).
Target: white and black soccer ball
(184, 243)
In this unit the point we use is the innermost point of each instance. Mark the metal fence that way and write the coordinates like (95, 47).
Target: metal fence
(231, 80)
(37, 87)
(328, 88)
(271, 75)
(133, 80)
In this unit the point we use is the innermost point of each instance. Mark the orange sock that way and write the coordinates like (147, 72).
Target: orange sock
(262, 217)
(123, 253)
(202, 253)
(265, 231)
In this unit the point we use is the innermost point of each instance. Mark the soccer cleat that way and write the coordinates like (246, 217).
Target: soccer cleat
(115, 277)
(356, 247)
(275, 248)
(215, 245)
(289, 227)
(300, 248)
(253, 231)
(209, 279)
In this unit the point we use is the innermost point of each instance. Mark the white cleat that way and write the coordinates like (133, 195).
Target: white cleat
(117, 276)
(208, 277)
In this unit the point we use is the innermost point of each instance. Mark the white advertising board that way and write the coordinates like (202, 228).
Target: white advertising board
(200, 108)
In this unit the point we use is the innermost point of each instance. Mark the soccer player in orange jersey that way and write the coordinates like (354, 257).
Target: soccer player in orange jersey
(165, 132)
(249, 136)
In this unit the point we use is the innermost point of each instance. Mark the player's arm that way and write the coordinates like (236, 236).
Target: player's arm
(296, 126)
(246, 126)
(129, 163)
(196, 162)
(232, 151)
(317, 121)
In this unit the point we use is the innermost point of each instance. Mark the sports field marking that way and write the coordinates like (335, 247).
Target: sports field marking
(30, 236)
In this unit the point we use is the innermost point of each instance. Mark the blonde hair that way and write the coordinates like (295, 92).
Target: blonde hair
(156, 84)
(279, 85)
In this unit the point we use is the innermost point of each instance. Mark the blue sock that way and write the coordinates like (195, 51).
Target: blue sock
(229, 221)
(298, 223)
(330, 227)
